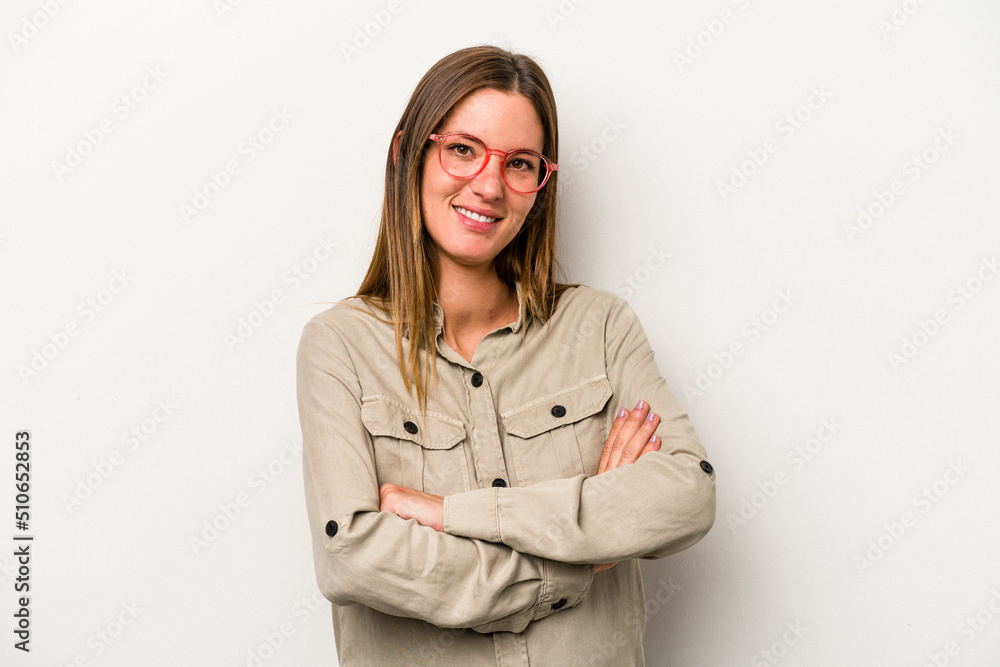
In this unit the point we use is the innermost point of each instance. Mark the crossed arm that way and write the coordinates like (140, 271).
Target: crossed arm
(653, 495)
(493, 562)
(366, 556)
(630, 437)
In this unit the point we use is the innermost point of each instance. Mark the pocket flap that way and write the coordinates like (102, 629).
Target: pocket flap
(382, 415)
(562, 407)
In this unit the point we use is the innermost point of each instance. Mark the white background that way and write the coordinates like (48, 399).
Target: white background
(659, 104)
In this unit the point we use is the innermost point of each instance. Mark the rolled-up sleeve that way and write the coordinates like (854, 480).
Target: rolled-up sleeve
(659, 505)
(393, 565)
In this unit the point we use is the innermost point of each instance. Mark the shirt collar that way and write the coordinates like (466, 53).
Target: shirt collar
(439, 316)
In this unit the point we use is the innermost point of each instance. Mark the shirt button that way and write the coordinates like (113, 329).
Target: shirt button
(499, 482)
(477, 379)
(706, 466)
(410, 427)
(331, 528)
(558, 411)
(560, 604)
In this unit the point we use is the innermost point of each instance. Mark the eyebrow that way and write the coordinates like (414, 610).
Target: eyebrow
(472, 136)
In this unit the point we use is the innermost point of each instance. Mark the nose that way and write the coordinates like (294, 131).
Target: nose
(488, 184)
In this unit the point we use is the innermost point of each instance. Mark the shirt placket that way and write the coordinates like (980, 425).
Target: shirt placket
(484, 438)
(511, 649)
(487, 453)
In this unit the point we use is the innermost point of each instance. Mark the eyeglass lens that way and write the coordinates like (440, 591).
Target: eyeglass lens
(463, 156)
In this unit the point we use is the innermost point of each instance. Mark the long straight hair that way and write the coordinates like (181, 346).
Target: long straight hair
(402, 277)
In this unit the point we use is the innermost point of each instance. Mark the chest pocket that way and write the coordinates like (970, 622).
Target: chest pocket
(422, 452)
(560, 434)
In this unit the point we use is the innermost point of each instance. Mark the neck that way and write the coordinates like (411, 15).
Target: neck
(473, 298)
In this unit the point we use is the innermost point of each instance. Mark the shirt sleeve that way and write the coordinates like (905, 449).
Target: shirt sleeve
(661, 504)
(378, 559)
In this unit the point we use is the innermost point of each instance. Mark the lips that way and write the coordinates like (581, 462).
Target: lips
(478, 217)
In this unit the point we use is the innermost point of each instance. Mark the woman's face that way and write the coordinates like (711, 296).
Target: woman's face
(501, 121)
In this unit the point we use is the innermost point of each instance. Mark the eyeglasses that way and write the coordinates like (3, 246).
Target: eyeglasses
(464, 156)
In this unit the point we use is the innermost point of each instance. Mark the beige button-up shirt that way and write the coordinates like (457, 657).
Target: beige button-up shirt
(512, 441)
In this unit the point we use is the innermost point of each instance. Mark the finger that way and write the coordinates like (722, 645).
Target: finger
(385, 497)
(652, 446)
(640, 441)
(400, 500)
(615, 428)
(626, 436)
(636, 447)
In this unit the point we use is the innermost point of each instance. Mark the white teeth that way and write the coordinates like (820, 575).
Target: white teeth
(475, 216)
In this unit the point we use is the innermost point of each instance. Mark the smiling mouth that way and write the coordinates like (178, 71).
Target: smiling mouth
(475, 216)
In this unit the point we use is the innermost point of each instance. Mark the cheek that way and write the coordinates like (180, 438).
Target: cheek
(525, 208)
(436, 188)
(430, 199)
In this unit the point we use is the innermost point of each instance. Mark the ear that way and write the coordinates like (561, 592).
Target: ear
(395, 145)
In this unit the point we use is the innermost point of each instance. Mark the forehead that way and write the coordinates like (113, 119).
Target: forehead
(502, 120)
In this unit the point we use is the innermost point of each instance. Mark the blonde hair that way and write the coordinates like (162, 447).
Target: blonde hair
(402, 277)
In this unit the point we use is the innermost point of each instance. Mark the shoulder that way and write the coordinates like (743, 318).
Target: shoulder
(350, 319)
(348, 312)
(582, 310)
(590, 303)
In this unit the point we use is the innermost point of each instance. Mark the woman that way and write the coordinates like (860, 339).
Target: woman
(477, 492)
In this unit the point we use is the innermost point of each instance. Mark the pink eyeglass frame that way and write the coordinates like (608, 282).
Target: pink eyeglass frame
(550, 166)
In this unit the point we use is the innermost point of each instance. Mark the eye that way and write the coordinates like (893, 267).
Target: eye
(522, 162)
(459, 149)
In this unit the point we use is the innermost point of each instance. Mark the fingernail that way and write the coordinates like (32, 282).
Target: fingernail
(655, 440)
(651, 416)
(622, 412)
(640, 405)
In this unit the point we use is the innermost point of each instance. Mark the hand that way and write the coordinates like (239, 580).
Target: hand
(427, 509)
(631, 436)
